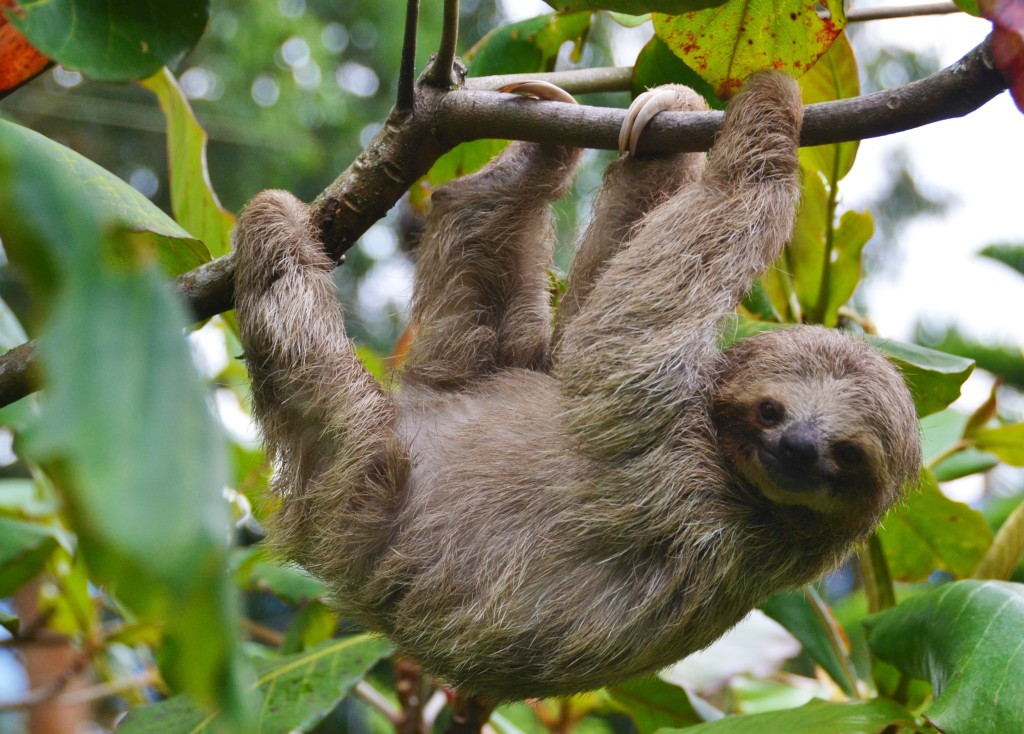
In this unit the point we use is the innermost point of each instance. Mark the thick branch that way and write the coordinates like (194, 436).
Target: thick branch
(409, 143)
(855, 15)
(951, 92)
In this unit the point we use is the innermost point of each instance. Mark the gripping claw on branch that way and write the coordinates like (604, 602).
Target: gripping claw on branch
(539, 90)
(650, 103)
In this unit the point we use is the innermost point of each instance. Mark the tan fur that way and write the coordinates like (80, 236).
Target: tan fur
(529, 521)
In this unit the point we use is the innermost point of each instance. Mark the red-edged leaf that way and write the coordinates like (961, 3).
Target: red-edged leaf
(726, 44)
(19, 59)
(1008, 42)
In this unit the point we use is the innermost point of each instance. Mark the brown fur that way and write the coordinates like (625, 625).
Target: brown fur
(530, 521)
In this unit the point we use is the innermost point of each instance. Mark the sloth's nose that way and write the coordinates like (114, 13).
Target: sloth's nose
(798, 447)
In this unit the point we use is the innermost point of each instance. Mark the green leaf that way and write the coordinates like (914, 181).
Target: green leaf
(654, 704)
(726, 44)
(112, 40)
(793, 611)
(1005, 361)
(816, 717)
(195, 204)
(964, 463)
(1006, 442)
(529, 45)
(656, 65)
(635, 7)
(969, 6)
(931, 532)
(1008, 254)
(297, 692)
(965, 638)
(257, 571)
(313, 624)
(834, 76)
(125, 433)
(108, 196)
(934, 377)
(630, 21)
(24, 548)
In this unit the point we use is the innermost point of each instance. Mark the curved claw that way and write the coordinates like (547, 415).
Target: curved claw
(641, 112)
(539, 90)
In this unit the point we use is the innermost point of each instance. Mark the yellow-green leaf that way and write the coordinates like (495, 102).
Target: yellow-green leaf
(195, 204)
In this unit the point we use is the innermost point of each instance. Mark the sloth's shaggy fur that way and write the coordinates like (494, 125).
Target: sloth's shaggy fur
(532, 516)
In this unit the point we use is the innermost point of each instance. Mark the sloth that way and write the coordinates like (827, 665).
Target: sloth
(538, 510)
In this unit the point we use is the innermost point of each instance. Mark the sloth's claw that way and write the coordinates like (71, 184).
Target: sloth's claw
(643, 109)
(539, 90)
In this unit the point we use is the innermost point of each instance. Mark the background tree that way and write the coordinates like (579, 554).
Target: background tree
(115, 553)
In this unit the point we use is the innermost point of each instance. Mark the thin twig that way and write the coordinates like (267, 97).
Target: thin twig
(47, 692)
(440, 72)
(407, 71)
(372, 697)
(577, 81)
(859, 15)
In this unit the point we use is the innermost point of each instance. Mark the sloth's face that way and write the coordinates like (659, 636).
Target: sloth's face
(814, 418)
(803, 443)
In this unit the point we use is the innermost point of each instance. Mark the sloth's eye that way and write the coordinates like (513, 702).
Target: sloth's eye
(848, 454)
(769, 413)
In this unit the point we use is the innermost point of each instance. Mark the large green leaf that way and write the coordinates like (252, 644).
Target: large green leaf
(1004, 360)
(111, 198)
(965, 638)
(24, 548)
(113, 40)
(816, 717)
(656, 65)
(934, 377)
(1008, 254)
(1006, 442)
(793, 610)
(833, 77)
(931, 532)
(125, 432)
(654, 704)
(726, 44)
(193, 199)
(297, 692)
(823, 257)
(635, 7)
(529, 45)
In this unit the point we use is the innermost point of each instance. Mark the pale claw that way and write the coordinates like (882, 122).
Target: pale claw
(649, 104)
(540, 90)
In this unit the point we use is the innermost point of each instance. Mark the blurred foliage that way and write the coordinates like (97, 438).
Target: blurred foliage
(117, 498)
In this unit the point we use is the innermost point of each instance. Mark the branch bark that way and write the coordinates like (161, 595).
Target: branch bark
(411, 140)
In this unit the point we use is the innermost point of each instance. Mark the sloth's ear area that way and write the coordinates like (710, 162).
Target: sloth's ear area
(539, 90)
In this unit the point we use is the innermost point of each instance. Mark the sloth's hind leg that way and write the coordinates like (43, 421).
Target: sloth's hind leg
(633, 185)
(481, 298)
(327, 424)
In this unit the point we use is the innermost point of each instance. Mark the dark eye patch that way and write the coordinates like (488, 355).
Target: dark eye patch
(770, 412)
(849, 455)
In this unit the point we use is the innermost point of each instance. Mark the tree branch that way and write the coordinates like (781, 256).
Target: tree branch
(408, 144)
(407, 70)
(440, 72)
(856, 15)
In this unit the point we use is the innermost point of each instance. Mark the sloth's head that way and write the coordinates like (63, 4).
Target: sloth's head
(817, 418)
